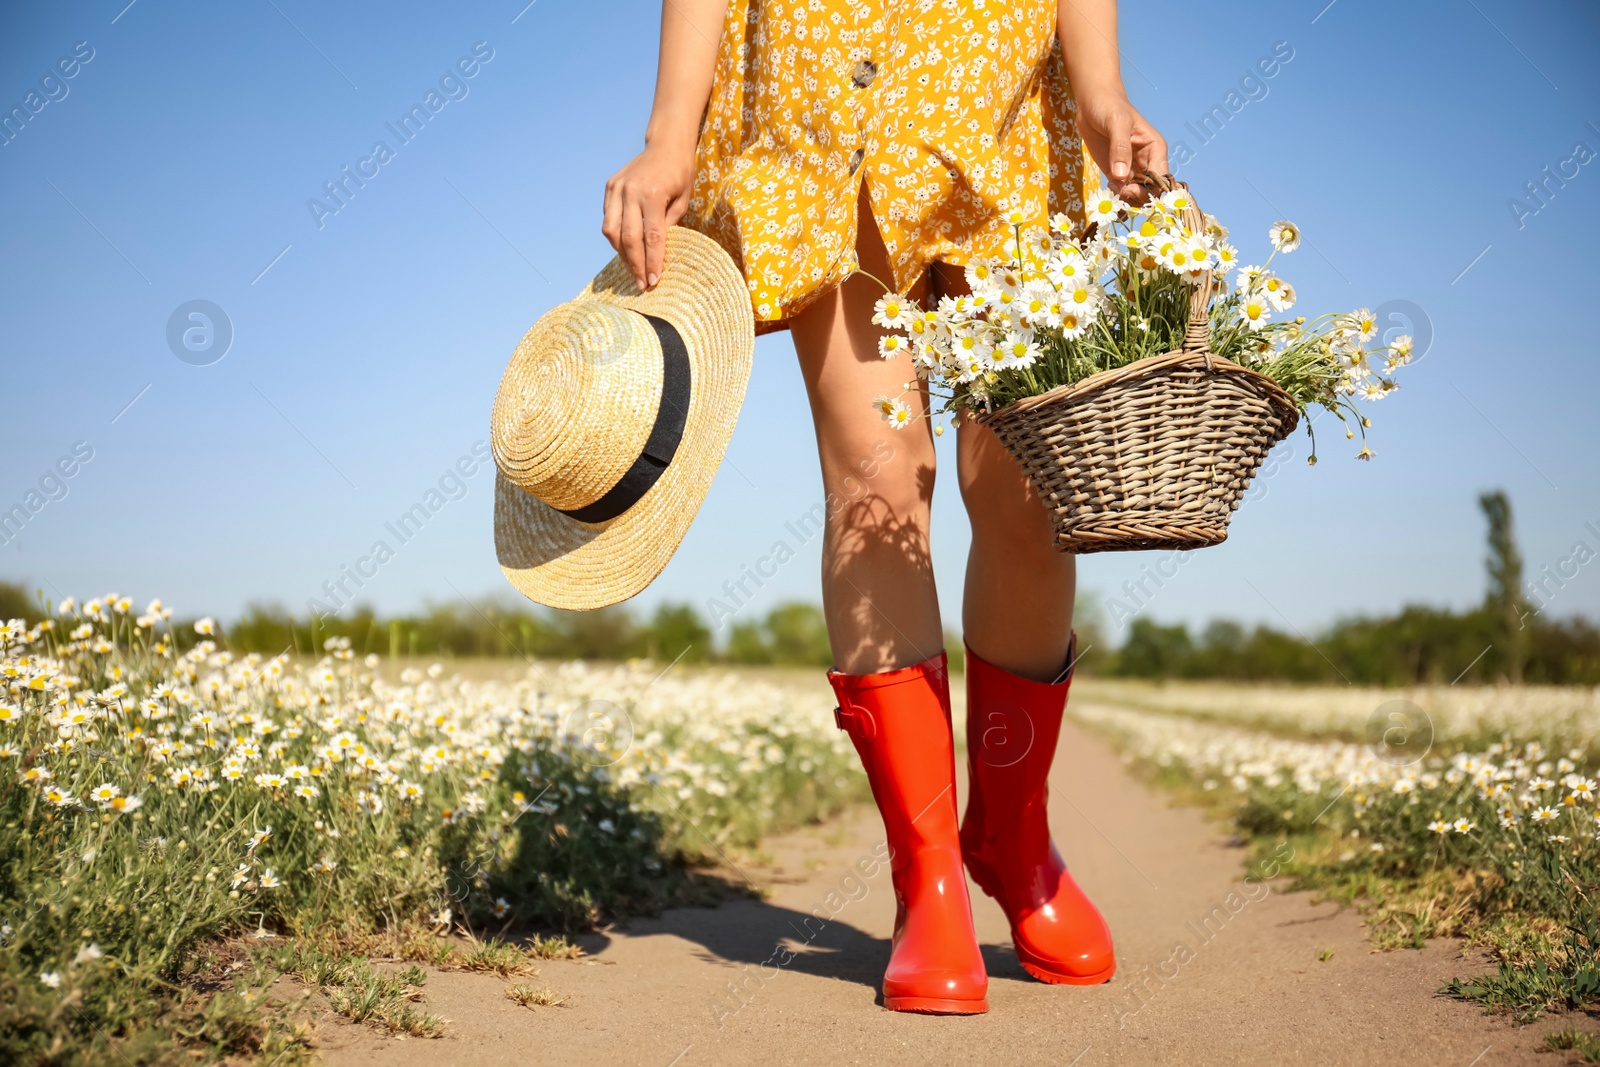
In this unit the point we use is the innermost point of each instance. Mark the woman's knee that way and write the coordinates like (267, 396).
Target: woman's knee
(893, 472)
(1001, 505)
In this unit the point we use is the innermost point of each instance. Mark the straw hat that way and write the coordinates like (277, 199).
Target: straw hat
(611, 421)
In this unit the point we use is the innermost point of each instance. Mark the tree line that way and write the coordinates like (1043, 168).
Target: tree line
(1502, 639)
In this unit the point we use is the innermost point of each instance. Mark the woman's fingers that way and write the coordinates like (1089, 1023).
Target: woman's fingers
(633, 235)
(655, 238)
(644, 200)
(1151, 153)
(1119, 134)
(678, 208)
(611, 217)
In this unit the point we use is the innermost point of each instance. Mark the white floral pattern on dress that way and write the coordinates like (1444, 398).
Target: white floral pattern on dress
(953, 112)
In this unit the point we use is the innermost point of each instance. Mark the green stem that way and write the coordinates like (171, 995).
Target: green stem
(874, 277)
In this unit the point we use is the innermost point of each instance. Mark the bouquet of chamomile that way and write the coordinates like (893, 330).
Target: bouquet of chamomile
(1071, 302)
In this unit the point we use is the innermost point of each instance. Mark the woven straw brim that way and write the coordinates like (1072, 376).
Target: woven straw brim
(563, 563)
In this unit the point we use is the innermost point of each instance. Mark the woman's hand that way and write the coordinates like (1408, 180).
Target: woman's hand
(1122, 142)
(643, 199)
(1117, 136)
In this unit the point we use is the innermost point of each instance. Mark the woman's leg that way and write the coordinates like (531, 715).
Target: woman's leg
(1017, 608)
(877, 576)
(1018, 616)
(888, 647)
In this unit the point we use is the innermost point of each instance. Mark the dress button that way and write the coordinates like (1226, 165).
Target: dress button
(865, 71)
(855, 159)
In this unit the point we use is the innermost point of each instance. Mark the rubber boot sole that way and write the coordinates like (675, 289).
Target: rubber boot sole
(1042, 970)
(936, 1005)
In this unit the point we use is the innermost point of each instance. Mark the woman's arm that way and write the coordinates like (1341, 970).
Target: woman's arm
(1118, 137)
(651, 193)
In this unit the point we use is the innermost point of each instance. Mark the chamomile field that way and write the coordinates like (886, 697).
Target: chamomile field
(156, 802)
(182, 827)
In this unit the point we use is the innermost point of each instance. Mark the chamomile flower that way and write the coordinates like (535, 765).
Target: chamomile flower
(1147, 263)
(1254, 311)
(1364, 324)
(1279, 293)
(979, 274)
(1082, 296)
(1176, 201)
(1034, 305)
(1103, 206)
(1074, 324)
(894, 411)
(969, 343)
(1285, 236)
(891, 345)
(1018, 350)
(1067, 269)
(892, 311)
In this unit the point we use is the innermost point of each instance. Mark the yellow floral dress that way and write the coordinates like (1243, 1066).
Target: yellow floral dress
(953, 112)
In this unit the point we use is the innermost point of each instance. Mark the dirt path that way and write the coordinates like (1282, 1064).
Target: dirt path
(696, 986)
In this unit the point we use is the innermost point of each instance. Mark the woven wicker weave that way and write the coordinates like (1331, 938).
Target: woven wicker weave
(1156, 454)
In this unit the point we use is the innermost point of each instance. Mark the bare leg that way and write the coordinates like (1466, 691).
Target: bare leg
(877, 577)
(1017, 610)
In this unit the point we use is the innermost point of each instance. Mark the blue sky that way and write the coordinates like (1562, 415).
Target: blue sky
(176, 164)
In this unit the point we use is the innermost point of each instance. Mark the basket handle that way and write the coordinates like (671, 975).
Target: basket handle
(1197, 337)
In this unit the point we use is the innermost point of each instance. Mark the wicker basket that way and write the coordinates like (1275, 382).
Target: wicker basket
(1156, 454)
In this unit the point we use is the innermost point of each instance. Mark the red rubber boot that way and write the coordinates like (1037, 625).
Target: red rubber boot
(1012, 727)
(900, 724)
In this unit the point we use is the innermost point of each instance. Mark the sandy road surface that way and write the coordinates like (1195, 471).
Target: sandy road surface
(1212, 970)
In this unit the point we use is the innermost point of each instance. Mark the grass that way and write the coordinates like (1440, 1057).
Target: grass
(554, 947)
(1497, 846)
(536, 996)
(159, 809)
(498, 957)
(358, 990)
(1587, 1046)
